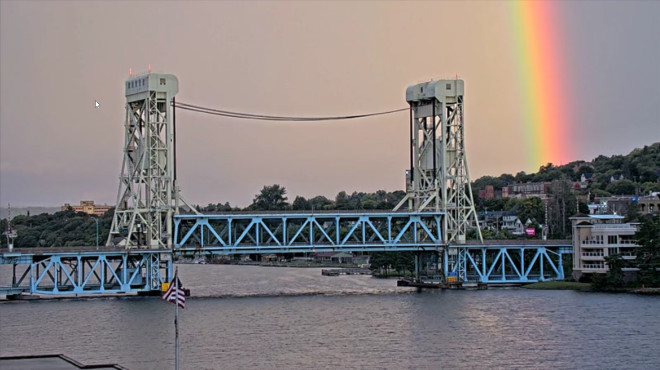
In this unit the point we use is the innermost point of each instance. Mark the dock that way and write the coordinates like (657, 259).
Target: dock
(455, 285)
(345, 271)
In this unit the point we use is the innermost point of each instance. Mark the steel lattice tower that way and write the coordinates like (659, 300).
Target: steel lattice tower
(438, 177)
(147, 195)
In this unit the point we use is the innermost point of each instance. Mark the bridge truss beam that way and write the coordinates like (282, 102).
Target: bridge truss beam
(506, 264)
(87, 272)
(298, 232)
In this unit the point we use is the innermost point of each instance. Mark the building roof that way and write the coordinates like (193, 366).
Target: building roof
(607, 217)
(342, 255)
(598, 217)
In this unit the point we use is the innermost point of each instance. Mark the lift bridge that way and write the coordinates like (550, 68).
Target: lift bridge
(153, 224)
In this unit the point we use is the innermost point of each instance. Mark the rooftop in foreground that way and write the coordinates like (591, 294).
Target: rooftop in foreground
(48, 362)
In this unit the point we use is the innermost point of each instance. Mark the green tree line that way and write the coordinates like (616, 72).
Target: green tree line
(61, 229)
(274, 198)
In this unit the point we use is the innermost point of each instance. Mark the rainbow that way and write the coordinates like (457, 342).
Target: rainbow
(543, 80)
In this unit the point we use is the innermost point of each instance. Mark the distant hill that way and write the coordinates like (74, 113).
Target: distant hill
(4, 211)
(639, 170)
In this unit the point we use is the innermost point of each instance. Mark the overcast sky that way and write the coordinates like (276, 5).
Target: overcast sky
(299, 58)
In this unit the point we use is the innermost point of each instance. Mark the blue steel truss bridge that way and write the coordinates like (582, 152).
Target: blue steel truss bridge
(111, 270)
(150, 227)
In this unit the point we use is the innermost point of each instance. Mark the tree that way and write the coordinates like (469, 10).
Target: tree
(400, 261)
(531, 208)
(271, 198)
(616, 264)
(621, 187)
(342, 200)
(632, 213)
(320, 203)
(561, 206)
(648, 253)
(523, 177)
(649, 187)
(300, 203)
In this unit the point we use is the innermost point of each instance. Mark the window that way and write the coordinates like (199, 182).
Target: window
(448, 86)
(593, 265)
(612, 239)
(162, 81)
(612, 251)
(592, 253)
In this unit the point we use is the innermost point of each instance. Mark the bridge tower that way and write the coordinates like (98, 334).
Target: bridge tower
(148, 195)
(438, 177)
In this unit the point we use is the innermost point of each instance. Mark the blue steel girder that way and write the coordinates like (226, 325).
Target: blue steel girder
(261, 233)
(508, 264)
(88, 272)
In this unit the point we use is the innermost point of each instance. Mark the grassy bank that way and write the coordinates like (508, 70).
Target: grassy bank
(559, 285)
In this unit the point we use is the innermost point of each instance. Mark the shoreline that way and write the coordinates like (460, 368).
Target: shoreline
(587, 287)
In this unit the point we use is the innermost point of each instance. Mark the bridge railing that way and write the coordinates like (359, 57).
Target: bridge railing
(317, 232)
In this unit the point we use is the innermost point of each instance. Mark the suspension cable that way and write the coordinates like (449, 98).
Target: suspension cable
(239, 115)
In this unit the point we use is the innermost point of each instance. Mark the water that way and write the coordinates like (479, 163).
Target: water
(295, 318)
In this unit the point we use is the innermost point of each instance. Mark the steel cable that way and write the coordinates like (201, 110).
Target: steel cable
(240, 115)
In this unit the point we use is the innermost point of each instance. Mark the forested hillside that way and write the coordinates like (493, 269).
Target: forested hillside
(640, 170)
(635, 173)
(60, 229)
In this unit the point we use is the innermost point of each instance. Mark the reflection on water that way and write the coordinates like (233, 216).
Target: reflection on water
(355, 322)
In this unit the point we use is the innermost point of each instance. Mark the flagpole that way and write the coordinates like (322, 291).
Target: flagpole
(176, 321)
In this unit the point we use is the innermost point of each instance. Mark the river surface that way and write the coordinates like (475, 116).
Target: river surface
(244, 317)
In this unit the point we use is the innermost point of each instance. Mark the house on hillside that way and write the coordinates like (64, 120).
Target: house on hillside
(88, 206)
(513, 224)
(528, 190)
(615, 178)
(585, 179)
(487, 193)
(617, 204)
(491, 220)
(501, 221)
(649, 204)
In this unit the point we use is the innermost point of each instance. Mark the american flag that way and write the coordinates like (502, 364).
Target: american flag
(175, 294)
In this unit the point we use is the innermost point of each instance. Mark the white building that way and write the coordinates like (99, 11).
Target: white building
(513, 224)
(598, 236)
